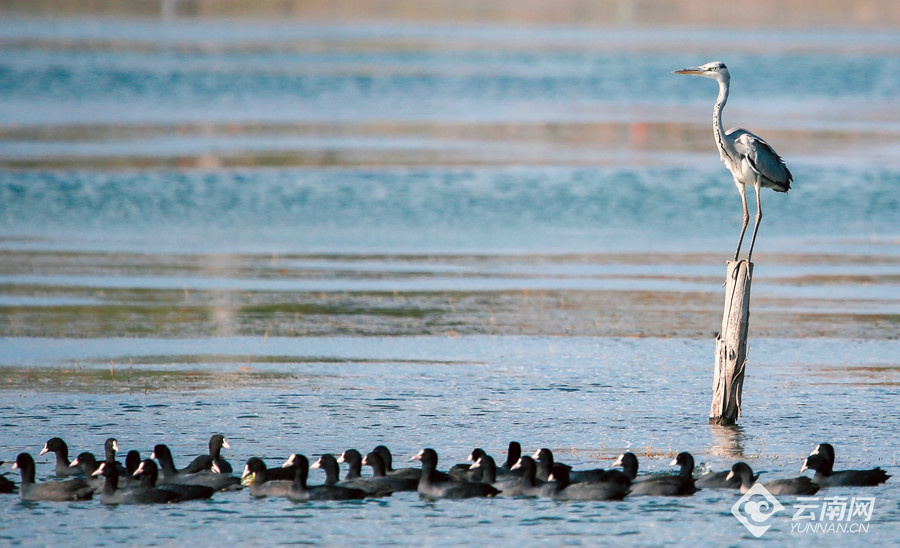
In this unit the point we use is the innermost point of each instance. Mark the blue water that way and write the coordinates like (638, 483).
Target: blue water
(543, 153)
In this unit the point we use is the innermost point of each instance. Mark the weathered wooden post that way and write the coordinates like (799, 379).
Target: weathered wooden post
(731, 345)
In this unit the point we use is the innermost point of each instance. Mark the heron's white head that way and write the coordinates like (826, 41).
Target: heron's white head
(713, 69)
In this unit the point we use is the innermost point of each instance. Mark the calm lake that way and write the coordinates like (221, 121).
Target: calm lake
(314, 237)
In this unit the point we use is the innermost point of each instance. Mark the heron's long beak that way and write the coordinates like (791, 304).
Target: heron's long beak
(690, 70)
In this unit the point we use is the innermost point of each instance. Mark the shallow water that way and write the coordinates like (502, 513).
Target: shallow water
(586, 398)
(315, 237)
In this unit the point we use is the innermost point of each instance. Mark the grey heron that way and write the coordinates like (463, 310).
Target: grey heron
(749, 158)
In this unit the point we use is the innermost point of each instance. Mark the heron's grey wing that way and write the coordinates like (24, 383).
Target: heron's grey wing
(763, 159)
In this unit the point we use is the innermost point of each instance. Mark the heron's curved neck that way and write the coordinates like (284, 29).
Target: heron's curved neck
(718, 129)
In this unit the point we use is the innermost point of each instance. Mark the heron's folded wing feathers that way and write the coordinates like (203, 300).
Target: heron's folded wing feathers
(763, 159)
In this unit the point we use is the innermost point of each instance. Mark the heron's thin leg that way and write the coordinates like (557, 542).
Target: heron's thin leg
(756, 224)
(742, 189)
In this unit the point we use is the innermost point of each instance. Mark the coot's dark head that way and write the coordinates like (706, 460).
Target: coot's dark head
(111, 447)
(301, 468)
(106, 470)
(298, 460)
(329, 464)
(255, 466)
(55, 445)
(513, 454)
(147, 471)
(216, 443)
(525, 463)
(111, 473)
(161, 453)
(386, 456)
(817, 462)
(543, 455)
(352, 457)
(686, 462)
(742, 471)
(560, 474)
(325, 461)
(25, 464)
(629, 463)
(132, 461)
(87, 461)
(825, 450)
(426, 456)
(476, 454)
(374, 460)
(486, 463)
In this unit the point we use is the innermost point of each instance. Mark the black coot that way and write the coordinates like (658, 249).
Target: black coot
(379, 474)
(261, 486)
(790, 486)
(59, 447)
(544, 460)
(669, 486)
(301, 492)
(328, 464)
(612, 486)
(513, 454)
(430, 489)
(721, 480)
(485, 469)
(132, 461)
(170, 474)
(353, 460)
(147, 473)
(408, 473)
(219, 464)
(6, 484)
(136, 494)
(822, 461)
(468, 472)
(213, 462)
(72, 489)
(110, 448)
(528, 485)
(88, 464)
(511, 485)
